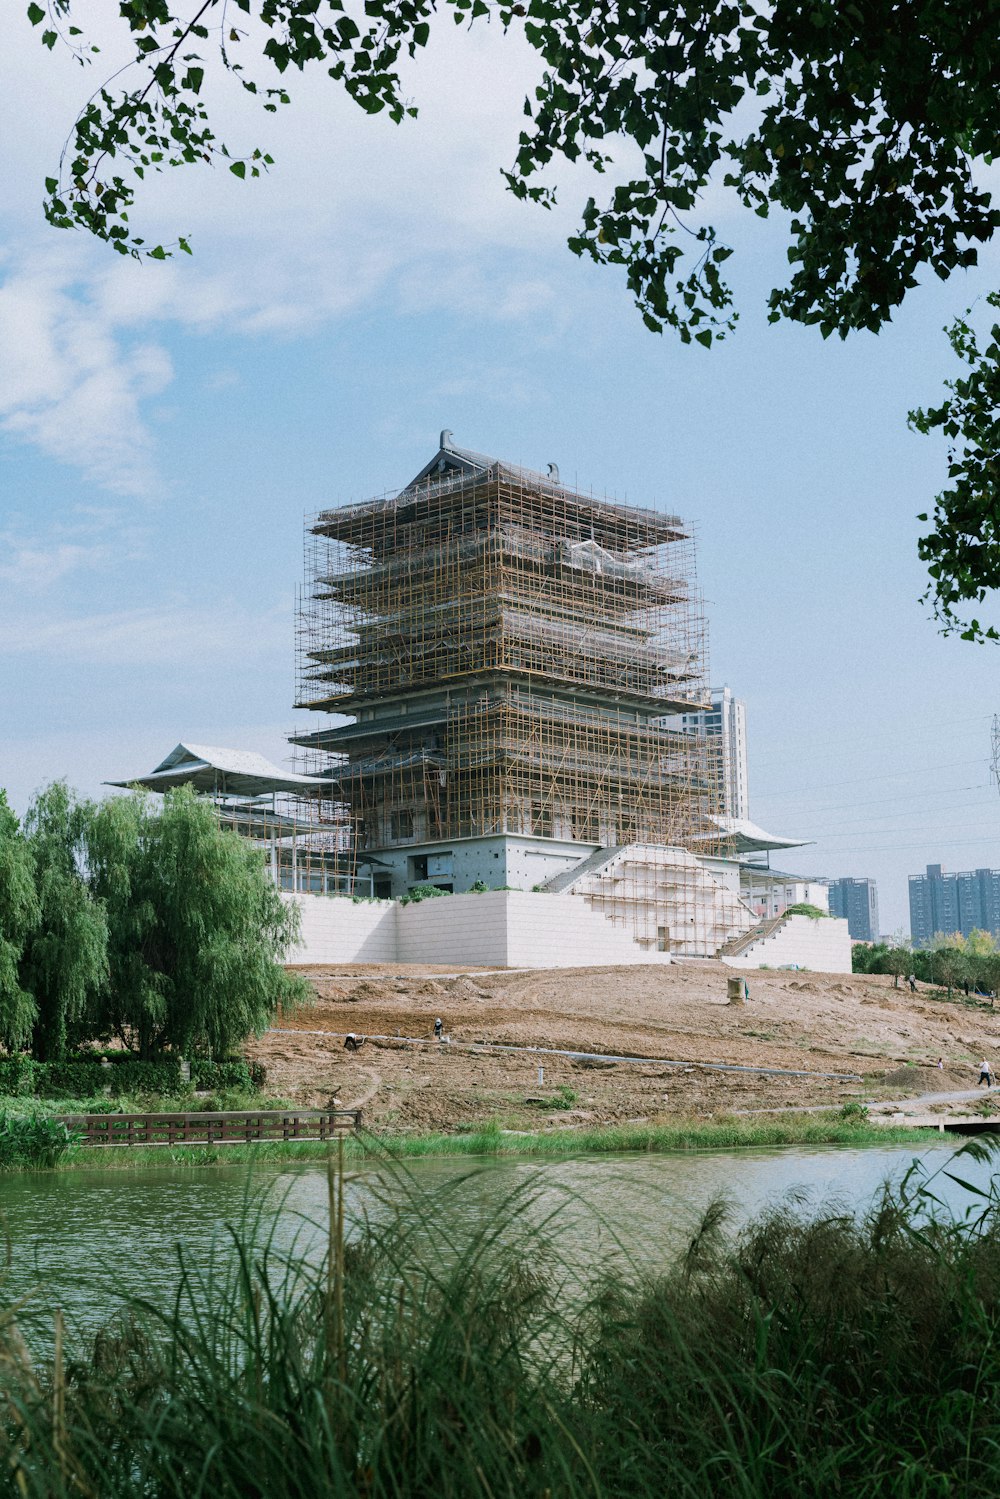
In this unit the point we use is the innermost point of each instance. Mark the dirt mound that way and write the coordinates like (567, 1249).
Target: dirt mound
(917, 1079)
(464, 988)
(369, 992)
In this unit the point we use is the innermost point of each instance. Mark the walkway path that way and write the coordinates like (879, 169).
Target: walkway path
(585, 1056)
(910, 1104)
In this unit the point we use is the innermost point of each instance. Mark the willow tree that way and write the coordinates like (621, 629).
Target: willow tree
(19, 916)
(65, 959)
(196, 929)
(867, 129)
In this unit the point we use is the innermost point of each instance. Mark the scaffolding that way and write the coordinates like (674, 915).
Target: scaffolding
(511, 654)
(306, 841)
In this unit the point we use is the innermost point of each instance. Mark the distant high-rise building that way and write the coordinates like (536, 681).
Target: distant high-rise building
(857, 900)
(727, 720)
(947, 903)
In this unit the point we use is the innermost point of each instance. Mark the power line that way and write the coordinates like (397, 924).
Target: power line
(865, 780)
(940, 817)
(902, 848)
(880, 801)
(912, 828)
(928, 738)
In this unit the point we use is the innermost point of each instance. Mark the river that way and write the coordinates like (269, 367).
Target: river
(81, 1239)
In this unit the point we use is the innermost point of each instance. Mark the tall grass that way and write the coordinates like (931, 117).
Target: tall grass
(841, 1127)
(802, 1356)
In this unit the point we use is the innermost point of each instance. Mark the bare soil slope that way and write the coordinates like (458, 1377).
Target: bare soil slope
(802, 1022)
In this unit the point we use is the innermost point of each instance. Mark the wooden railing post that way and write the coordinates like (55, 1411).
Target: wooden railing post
(246, 1127)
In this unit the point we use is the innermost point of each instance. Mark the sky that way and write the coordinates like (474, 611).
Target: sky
(166, 427)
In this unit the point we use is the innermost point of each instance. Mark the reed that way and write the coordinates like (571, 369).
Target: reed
(803, 1355)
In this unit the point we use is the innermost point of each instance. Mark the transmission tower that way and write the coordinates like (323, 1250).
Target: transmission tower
(995, 751)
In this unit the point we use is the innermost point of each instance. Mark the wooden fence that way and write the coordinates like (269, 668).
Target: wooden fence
(237, 1128)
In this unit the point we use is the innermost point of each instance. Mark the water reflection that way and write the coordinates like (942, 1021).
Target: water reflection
(85, 1238)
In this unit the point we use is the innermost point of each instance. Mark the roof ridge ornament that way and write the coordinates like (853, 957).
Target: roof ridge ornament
(446, 437)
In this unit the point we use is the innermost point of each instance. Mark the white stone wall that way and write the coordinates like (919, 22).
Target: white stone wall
(455, 929)
(500, 928)
(563, 931)
(335, 930)
(529, 861)
(822, 944)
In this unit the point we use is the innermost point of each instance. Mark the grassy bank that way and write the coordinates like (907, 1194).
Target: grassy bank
(681, 1135)
(490, 1140)
(806, 1355)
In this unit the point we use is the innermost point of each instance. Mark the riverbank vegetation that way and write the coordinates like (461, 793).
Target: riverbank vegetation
(806, 1353)
(848, 1126)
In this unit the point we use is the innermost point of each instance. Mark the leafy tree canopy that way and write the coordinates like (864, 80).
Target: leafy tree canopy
(196, 930)
(65, 960)
(19, 917)
(863, 124)
(126, 919)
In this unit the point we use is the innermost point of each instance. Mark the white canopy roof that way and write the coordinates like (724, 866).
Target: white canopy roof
(745, 837)
(221, 772)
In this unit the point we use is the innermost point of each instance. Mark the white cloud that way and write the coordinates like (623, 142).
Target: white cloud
(170, 634)
(68, 383)
(355, 209)
(86, 538)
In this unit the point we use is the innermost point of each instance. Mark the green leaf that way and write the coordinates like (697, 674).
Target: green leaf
(35, 14)
(238, 168)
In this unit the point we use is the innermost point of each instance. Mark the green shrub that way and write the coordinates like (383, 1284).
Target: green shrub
(124, 1075)
(128, 1075)
(33, 1140)
(422, 892)
(17, 1077)
(803, 908)
(237, 1073)
(564, 1098)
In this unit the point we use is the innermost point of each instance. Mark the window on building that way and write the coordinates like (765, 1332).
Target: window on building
(401, 823)
(541, 820)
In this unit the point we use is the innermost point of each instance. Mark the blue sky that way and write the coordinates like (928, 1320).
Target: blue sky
(163, 429)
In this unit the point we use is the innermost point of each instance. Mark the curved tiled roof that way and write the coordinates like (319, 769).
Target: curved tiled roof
(220, 771)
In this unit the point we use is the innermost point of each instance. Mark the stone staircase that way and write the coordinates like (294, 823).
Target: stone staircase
(740, 943)
(666, 899)
(595, 863)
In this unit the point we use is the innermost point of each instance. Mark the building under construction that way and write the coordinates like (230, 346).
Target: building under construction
(509, 676)
(512, 654)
